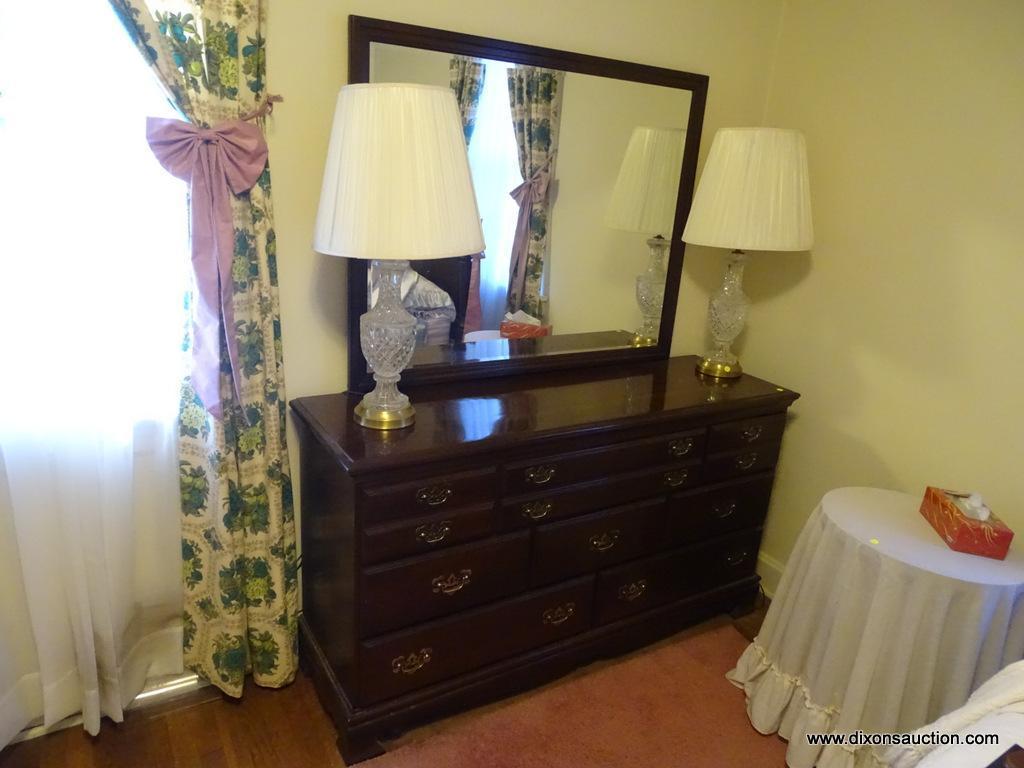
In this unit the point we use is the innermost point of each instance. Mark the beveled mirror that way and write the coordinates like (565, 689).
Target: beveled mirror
(584, 170)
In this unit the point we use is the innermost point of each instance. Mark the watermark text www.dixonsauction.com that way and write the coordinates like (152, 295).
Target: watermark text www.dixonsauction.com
(928, 739)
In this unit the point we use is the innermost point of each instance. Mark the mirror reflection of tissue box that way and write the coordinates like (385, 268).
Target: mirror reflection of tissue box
(511, 330)
(946, 511)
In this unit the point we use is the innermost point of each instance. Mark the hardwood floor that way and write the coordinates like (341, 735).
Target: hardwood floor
(266, 729)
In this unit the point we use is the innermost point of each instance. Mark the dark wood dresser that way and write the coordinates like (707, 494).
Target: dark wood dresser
(523, 527)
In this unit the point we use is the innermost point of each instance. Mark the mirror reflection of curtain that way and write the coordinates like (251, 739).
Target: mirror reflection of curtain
(494, 160)
(535, 96)
(466, 77)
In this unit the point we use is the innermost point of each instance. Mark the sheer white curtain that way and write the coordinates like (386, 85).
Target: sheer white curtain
(93, 249)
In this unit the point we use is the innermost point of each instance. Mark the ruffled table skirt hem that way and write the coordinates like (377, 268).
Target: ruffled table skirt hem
(778, 702)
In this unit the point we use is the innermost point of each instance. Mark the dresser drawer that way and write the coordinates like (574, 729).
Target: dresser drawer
(575, 500)
(654, 581)
(717, 510)
(388, 541)
(561, 550)
(430, 495)
(405, 661)
(746, 433)
(408, 591)
(599, 463)
(722, 561)
(750, 461)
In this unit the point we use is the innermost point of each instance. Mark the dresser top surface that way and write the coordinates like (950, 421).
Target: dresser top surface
(466, 417)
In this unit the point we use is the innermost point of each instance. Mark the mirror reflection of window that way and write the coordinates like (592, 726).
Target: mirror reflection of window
(493, 159)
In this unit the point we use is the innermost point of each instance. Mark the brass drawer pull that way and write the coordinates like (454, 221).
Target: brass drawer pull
(722, 511)
(413, 663)
(633, 591)
(453, 582)
(681, 447)
(537, 510)
(736, 559)
(559, 615)
(434, 495)
(751, 433)
(602, 542)
(746, 460)
(676, 477)
(432, 533)
(540, 475)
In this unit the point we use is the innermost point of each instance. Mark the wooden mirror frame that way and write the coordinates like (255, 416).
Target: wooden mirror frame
(363, 31)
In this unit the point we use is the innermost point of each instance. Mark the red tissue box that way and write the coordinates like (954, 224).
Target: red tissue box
(512, 330)
(988, 538)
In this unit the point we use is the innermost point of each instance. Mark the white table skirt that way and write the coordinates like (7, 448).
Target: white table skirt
(876, 626)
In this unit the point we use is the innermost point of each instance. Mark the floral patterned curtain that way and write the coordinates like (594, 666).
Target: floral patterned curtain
(239, 561)
(466, 77)
(535, 96)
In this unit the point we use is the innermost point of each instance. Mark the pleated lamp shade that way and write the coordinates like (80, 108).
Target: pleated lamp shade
(645, 192)
(397, 183)
(754, 193)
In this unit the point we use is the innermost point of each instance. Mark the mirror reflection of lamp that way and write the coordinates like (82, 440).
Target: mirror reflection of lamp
(396, 188)
(644, 200)
(754, 194)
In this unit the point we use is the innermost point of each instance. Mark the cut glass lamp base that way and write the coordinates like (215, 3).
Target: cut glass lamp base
(727, 313)
(387, 336)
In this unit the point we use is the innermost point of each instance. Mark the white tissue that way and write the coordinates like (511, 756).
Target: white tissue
(521, 317)
(974, 507)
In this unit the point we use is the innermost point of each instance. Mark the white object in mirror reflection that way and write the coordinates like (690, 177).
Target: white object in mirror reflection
(644, 200)
(754, 194)
(396, 187)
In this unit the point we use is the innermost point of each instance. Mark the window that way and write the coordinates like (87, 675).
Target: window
(93, 231)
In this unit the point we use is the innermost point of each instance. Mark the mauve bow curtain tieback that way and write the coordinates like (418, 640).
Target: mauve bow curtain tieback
(531, 191)
(216, 162)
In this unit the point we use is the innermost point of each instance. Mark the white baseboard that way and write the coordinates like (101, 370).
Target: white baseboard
(770, 570)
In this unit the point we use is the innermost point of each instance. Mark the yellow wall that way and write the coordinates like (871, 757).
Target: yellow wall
(901, 329)
(592, 273)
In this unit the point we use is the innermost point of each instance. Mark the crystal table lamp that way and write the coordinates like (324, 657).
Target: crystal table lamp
(644, 200)
(397, 187)
(754, 194)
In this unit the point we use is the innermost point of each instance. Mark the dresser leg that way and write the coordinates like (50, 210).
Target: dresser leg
(355, 748)
(747, 603)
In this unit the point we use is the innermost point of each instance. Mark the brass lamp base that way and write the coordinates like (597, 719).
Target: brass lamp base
(718, 369)
(378, 418)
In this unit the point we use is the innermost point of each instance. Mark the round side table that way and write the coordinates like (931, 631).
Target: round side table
(876, 626)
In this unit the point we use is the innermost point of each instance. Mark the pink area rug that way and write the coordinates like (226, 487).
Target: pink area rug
(668, 706)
